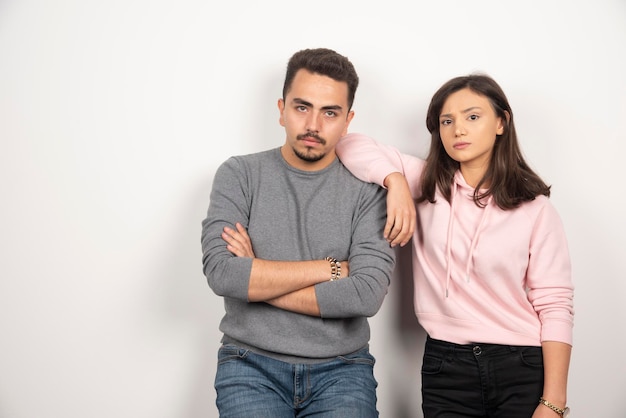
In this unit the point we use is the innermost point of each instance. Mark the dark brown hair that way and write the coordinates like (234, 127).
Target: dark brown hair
(511, 180)
(325, 62)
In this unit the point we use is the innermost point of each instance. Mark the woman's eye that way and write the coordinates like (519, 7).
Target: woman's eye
(446, 122)
(473, 117)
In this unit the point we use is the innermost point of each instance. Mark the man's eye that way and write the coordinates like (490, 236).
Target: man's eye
(301, 108)
(330, 114)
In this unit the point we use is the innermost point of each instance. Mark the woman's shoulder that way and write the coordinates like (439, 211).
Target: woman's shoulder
(540, 206)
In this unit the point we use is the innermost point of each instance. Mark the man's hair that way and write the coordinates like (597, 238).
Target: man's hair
(325, 62)
(511, 180)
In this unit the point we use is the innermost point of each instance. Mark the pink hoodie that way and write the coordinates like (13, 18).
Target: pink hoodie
(481, 274)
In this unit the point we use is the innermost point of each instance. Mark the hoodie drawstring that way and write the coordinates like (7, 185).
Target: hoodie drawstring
(475, 240)
(449, 240)
(473, 244)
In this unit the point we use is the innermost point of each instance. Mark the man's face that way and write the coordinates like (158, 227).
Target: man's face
(315, 116)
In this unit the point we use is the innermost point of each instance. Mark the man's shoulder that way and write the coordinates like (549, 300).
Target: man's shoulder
(258, 155)
(353, 179)
(254, 158)
(351, 185)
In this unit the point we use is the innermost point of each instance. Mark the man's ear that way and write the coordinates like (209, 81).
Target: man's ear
(281, 109)
(348, 120)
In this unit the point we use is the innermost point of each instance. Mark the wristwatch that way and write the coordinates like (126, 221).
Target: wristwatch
(562, 412)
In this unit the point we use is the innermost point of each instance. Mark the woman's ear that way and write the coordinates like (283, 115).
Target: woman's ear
(508, 116)
(501, 124)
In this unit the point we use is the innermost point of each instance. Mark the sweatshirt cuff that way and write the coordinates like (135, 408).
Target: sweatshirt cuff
(560, 331)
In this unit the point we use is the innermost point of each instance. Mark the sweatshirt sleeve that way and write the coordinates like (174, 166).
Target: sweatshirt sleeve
(549, 277)
(227, 275)
(371, 261)
(372, 161)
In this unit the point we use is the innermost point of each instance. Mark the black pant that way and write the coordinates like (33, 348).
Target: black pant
(480, 380)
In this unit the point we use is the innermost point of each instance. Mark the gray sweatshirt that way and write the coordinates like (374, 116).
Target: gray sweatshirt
(297, 215)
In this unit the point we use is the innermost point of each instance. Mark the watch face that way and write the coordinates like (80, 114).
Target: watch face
(566, 412)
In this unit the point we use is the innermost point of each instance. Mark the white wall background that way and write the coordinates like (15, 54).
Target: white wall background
(115, 115)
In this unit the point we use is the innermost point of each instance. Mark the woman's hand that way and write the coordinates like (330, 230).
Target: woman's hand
(401, 214)
(238, 241)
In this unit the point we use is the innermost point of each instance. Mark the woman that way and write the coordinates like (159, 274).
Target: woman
(492, 275)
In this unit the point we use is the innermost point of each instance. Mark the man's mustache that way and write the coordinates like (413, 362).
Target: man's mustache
(312, 135)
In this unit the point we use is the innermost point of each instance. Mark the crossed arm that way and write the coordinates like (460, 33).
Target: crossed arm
(288, 285)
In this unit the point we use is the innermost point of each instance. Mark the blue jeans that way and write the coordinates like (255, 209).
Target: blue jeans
(250, 385)
(480, 380)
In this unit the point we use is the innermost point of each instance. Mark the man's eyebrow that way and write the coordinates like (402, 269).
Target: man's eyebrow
(302, 102)
(305, 103)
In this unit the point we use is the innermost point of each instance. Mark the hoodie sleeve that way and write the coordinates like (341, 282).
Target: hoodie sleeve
(372, 162)
(371, 258)
(549, 277)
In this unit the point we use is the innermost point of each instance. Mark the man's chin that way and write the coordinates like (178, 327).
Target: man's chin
(309, 155)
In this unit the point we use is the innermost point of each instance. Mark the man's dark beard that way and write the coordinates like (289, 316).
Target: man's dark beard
(311, 158)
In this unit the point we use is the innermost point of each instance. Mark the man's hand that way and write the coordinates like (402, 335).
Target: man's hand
(287, 285)
(237, 241)
(401, 214)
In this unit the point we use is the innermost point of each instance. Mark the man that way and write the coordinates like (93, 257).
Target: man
(294, 243)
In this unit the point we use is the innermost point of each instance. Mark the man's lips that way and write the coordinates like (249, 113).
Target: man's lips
(310, 140)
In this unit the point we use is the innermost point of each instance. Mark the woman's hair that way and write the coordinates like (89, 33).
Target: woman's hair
(511, 181)
(325, 62)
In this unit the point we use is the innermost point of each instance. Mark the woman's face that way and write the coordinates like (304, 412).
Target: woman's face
(468, 126)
